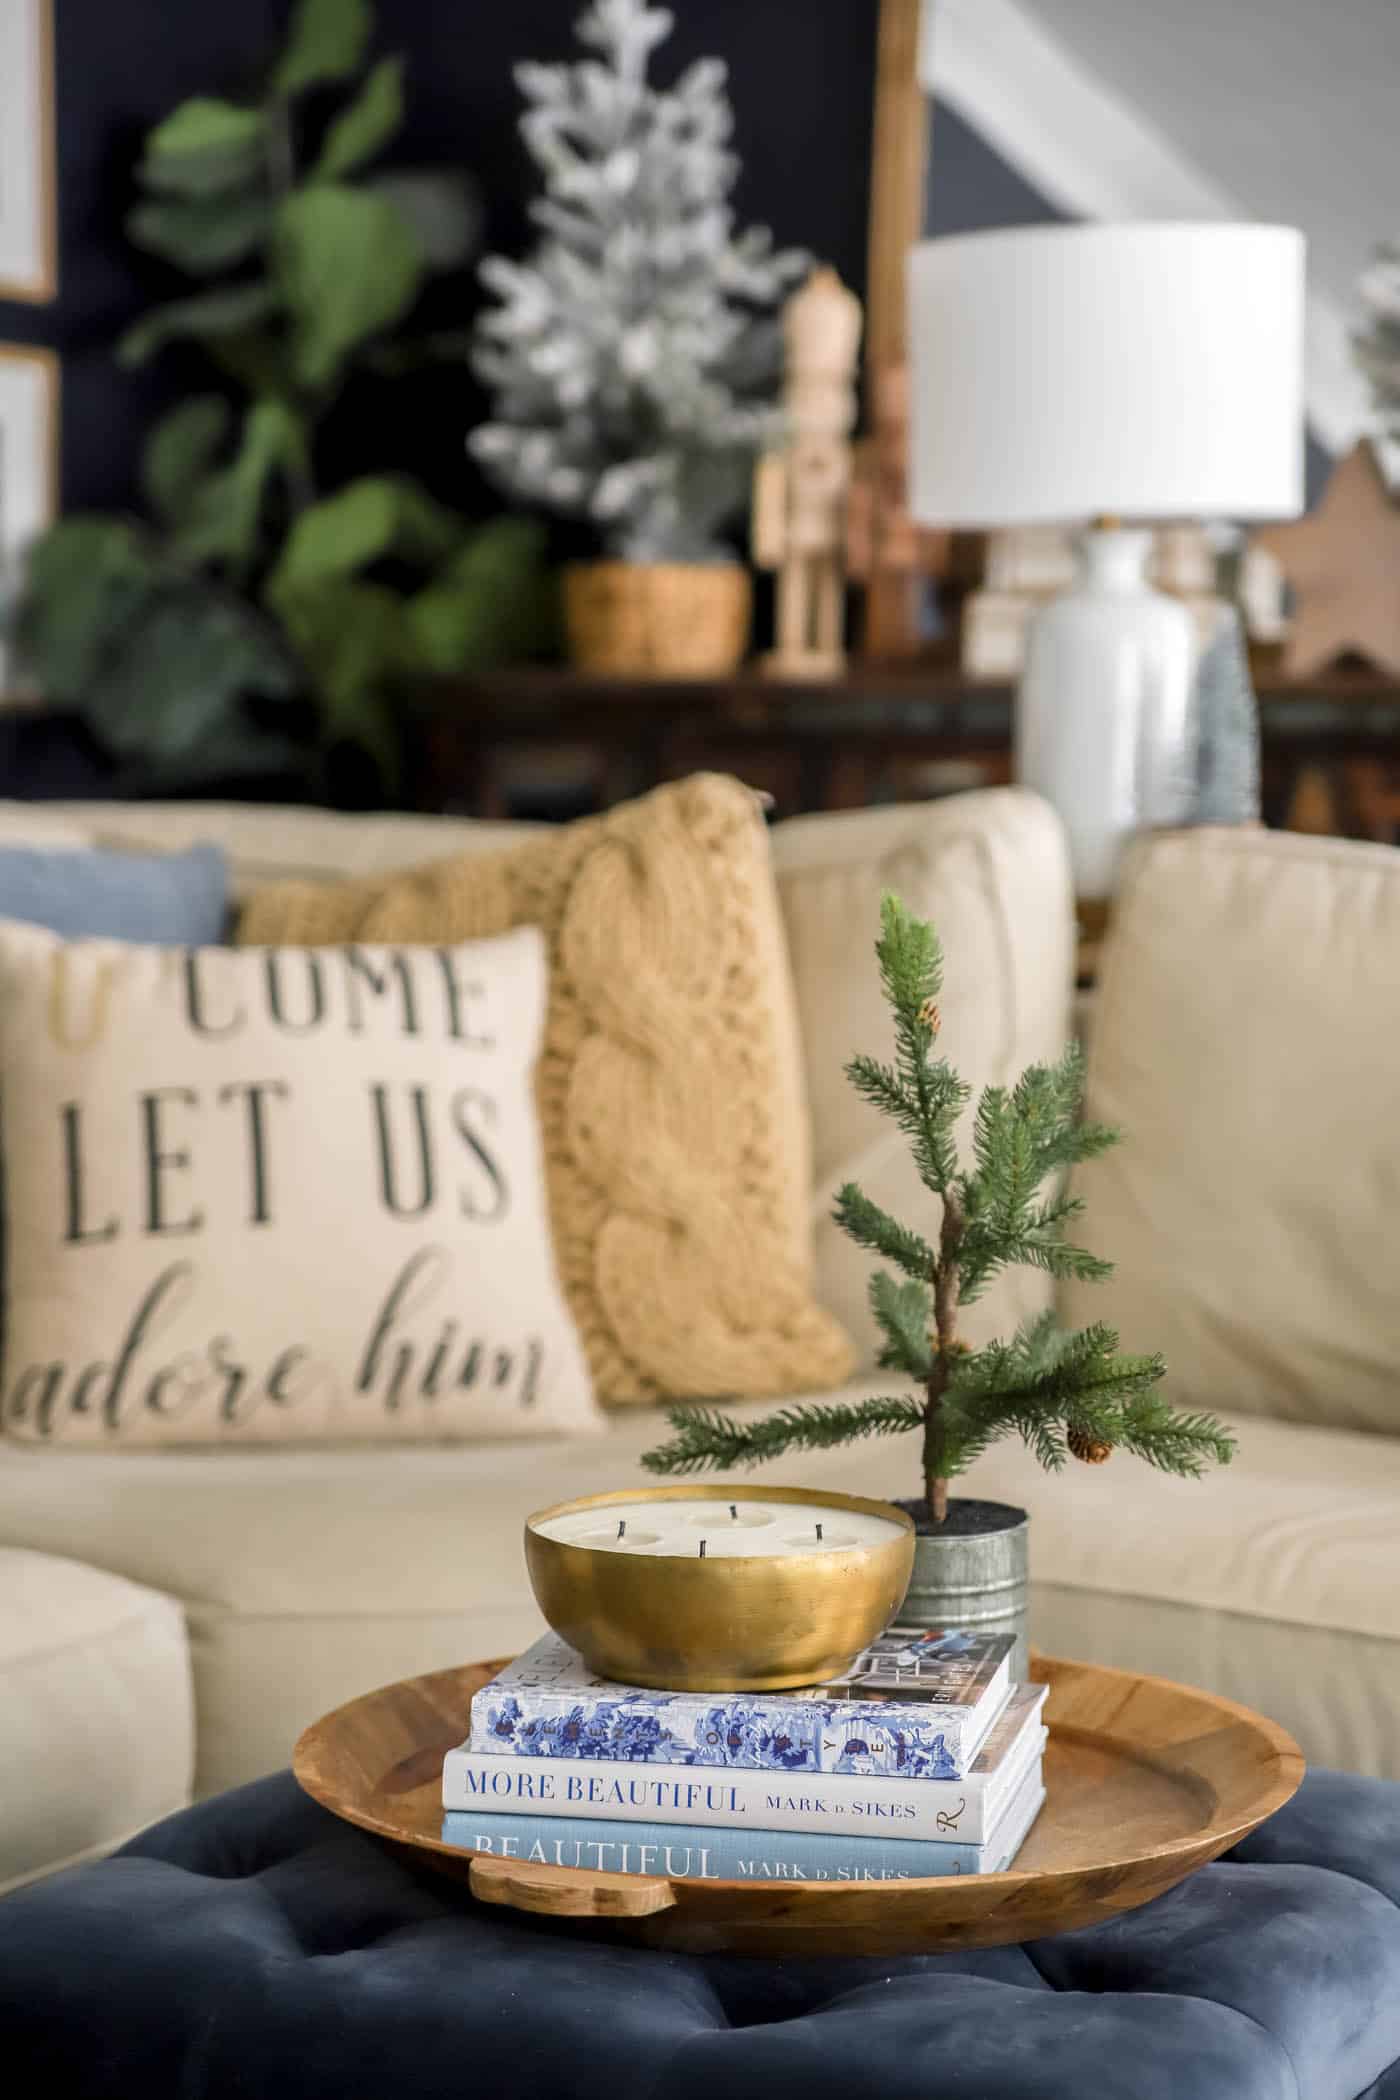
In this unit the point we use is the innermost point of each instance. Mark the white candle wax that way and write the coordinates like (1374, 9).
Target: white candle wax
(770, 1530)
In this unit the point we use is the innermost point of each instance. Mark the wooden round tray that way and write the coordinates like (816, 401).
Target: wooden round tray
(1146, 1781)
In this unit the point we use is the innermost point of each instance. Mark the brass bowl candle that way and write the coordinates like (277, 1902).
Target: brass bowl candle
(716, 1589)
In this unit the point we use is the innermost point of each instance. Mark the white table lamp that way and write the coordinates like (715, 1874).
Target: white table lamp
(1107, 373)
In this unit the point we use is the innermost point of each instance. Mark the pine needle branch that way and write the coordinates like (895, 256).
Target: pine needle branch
(903, 1312)
(1047, 1381)
(1020, 1139)
(884, 1090)
(1061, 1392)
(924, 1094)
(875, 1229)
(706, 1439)
(1175, 1443)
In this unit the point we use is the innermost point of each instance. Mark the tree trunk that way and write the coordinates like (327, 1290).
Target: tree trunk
(945, 1319)
(936, 1496)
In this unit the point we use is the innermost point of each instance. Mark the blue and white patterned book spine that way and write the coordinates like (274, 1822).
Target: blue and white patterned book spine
(696, 1853)
(916, 1707)
(845, 1805)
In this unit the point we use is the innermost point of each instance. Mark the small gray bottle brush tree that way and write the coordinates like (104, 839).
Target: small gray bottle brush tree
(1064, 1393)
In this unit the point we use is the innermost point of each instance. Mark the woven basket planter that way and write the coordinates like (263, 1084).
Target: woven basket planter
(657, 619)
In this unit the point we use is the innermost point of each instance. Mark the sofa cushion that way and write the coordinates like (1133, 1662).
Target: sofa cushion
(989, 867)
(670, 1084)
(174, 899)
(278, 1196)
(1246, 1041)
(96, 1712)
(310, 1575)
(264, 843)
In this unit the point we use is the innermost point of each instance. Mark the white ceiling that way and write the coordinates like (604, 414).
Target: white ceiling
(1291, 106)
(1282, 110)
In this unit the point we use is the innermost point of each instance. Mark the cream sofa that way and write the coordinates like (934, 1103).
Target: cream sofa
(307, 1576)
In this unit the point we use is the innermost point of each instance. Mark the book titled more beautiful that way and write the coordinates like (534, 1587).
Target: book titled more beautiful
(915, 1705)
(967, 1810)
(699, 1853)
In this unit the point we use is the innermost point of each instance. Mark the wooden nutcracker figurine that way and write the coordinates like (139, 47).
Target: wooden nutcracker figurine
(799, 508)
(885, 550)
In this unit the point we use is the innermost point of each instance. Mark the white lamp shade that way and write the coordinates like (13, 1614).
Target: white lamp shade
(1146, 372)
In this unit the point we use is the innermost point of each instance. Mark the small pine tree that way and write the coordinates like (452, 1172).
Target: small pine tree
(1062, 1393)
(634, 354)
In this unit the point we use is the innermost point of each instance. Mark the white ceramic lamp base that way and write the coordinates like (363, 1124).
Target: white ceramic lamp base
(1106, 721)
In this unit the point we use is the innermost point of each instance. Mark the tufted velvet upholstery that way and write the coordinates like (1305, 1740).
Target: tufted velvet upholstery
(254, 1947)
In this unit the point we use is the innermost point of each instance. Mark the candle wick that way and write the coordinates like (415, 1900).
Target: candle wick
(622, 1528)
(703, 1544)
(819, 1531)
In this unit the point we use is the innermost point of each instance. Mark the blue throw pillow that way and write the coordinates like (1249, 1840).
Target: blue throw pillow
(169, 900)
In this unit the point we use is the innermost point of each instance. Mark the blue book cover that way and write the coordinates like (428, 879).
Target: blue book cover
(697, 1853)
(916, 1705)
(846, 1803)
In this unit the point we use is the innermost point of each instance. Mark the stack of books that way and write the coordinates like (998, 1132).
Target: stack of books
(922, 1759)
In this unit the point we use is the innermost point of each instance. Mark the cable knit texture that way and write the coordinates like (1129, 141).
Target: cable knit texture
(670, 1083)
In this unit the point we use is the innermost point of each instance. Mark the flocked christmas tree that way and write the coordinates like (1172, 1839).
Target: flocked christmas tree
(633, 355)
(1062, 1392)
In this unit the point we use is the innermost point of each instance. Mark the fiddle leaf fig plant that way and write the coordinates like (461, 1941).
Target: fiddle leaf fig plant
(258, 575)
(1063, 1393)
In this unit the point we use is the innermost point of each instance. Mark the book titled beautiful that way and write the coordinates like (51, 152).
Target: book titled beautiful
(964, 1810)
(916, 1705)
(699, 1853)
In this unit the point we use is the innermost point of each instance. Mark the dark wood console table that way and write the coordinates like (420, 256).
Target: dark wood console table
(1331, 748)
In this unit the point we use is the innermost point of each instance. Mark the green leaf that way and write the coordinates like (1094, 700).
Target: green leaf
(442, 208)
(327, 42)
(224, 519)
(350, 637)
(204, 125)
(493, 603)
(256, 360)
(84, 580)
(181, 673)
(348, 265)
(366, 125)
(228, 311)
(370, 518)
(180, 450)
(204, 147)
(201, 234)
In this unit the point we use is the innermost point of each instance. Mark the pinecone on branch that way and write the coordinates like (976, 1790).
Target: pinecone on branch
(1091, 1449)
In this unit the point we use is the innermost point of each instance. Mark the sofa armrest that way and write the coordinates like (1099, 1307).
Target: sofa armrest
(96, 1712)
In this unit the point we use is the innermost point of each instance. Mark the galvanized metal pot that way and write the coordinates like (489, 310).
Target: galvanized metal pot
(973, 1573)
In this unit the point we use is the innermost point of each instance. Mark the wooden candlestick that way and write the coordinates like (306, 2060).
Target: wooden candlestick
(885, 550)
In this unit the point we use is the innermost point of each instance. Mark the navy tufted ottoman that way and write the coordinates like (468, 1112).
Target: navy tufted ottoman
(255, 1947)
